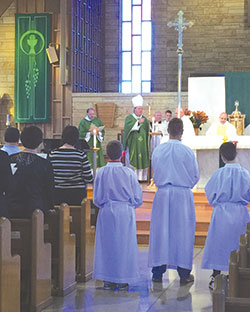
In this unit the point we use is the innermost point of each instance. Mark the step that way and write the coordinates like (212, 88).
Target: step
(145, 225)
(143, 238)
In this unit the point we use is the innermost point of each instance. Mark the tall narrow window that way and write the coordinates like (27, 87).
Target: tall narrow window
(136, 46)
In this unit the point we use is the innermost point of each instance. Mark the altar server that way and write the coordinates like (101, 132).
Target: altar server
(172, 228)
(228, 191)
(117, 193)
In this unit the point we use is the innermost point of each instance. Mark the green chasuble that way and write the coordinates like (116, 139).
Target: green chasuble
(137, 142)
(83, 128)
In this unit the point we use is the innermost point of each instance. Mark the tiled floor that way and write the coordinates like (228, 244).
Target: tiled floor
(143, 296)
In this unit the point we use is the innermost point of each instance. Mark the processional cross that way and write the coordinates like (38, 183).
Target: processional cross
(180, 25)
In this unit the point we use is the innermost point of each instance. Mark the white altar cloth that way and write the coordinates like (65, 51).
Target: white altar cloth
(206, 149)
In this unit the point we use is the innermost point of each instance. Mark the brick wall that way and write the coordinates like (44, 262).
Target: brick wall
(158, 101)
(7, 59)
(218, 42)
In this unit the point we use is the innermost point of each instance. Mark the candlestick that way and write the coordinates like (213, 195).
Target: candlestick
(8, 120)
(153, 124)
(94, 131)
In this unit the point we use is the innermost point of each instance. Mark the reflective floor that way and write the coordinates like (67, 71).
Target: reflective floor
(143, 296)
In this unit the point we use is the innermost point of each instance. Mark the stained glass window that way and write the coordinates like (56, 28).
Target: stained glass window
(136, 46)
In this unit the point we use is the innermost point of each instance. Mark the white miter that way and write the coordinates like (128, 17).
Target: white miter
(137, 100)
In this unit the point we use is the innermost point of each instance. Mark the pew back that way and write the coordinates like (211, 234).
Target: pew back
(28, 242)
(9, 271)
(63, 250)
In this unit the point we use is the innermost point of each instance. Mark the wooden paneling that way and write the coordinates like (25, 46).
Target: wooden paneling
(4, 6)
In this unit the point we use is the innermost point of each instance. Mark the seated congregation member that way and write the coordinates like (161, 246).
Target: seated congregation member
(228, 191)
(11, 138)
(32, 180)
(172, 227)
(5, 175)
(71, 169)
(117, 193)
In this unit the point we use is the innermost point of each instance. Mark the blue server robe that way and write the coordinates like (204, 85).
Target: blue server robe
(172, 228)
(228, 191)
(117, 193)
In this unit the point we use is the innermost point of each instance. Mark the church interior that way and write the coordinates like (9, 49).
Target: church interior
(84, 68)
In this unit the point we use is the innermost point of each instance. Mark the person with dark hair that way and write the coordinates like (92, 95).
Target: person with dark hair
(228, 191)
(89, 127)
(11, 138)
(172, 227)
(168, 116)
(5, 174)
(32, 180)
(117, 193)
(71, 169)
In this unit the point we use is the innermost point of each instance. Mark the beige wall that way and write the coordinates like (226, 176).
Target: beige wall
(158, 101)
(7, 71)
(218, 42)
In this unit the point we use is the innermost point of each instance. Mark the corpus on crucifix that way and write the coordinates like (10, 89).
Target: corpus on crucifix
(180, 24)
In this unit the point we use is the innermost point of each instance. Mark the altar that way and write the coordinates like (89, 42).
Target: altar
(206, 149)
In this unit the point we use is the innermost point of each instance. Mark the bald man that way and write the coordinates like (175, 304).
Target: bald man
(222, 127)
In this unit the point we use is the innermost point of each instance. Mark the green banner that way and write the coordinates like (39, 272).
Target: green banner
(32, 69)
(238, 89)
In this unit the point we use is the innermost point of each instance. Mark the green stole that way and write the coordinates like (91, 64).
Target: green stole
(83, 128)
(137, 142)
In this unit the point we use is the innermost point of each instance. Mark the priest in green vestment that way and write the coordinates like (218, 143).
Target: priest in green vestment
(135, 139)
(88, 125)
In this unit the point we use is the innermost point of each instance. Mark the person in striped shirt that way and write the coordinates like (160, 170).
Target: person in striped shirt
(71, 169)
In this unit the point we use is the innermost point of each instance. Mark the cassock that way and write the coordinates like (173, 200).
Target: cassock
(135, 143)
(172, 228)
(84, 132)
(117, 193)
(228, 191)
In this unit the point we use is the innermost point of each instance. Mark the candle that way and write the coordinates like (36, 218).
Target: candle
(94, 131)
(8, 120)
(149, 109)
(153, 124)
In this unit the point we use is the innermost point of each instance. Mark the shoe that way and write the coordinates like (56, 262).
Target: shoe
(122, 286)
(184, 281)
(157, 280)
(211, 282)
(107, 285)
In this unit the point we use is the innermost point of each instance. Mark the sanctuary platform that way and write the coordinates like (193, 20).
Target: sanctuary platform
(143, 215)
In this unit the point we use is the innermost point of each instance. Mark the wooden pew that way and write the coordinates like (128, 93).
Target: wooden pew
(224, 303)
(57, 232)
(236, 297)
(28, 241)
(85, 240)
(9, 271)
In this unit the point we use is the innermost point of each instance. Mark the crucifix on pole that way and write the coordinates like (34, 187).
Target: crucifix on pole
(180, 24)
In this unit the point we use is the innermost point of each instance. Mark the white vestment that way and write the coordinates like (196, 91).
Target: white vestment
(228, 191)
(117, 193)
(225, 129)
(188, 129)
(172, 228)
